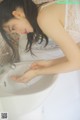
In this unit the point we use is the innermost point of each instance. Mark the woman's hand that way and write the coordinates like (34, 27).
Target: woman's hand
(27, 76)
(41, 64)
(33, 71)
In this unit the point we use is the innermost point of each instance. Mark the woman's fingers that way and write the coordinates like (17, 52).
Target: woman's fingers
(14, 77)
(19, 78)
(34, 66)
(39, 64)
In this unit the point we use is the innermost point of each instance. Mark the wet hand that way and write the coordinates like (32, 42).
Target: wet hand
(27, 76)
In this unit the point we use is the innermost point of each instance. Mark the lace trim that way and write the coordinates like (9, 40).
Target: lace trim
(72, 21)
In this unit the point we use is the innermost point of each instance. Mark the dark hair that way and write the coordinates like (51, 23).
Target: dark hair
(31, 13)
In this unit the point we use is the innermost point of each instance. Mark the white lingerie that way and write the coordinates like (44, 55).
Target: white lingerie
(72, 21)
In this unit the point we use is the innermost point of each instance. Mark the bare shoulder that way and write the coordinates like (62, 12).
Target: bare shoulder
(54, 11)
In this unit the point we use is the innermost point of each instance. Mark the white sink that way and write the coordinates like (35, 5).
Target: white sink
(18, 98)
(37, 84)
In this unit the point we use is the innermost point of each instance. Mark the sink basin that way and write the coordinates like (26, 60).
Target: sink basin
(19, 99)
(11, 87)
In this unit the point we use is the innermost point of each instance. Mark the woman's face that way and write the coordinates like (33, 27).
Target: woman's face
(19, 24)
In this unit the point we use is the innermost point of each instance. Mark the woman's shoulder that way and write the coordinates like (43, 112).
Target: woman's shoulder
(52, 11)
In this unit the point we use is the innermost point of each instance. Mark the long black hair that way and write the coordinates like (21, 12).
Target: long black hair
(31, 13)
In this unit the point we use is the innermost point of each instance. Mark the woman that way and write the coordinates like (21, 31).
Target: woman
(25, 17)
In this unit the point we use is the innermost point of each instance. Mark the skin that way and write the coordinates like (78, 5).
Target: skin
(52, 25)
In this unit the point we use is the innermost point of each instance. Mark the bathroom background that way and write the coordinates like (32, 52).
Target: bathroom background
(63, 102)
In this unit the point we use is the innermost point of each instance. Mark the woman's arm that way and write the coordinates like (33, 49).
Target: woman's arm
(58, 68)
(58, 65)
(52, 27)
(59, 60)
(47, 63)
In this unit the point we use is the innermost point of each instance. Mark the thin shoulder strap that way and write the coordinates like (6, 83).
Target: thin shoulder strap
(47, 4)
